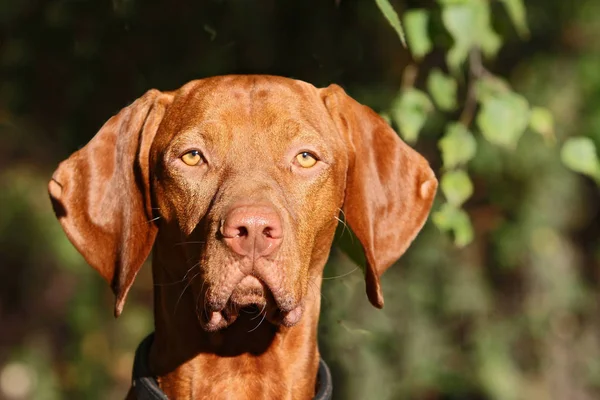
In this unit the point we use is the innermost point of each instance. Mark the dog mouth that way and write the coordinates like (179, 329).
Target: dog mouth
(250, 298)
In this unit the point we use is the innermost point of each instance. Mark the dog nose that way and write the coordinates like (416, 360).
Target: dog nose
(252, 230)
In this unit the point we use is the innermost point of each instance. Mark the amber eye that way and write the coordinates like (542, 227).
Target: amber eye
(306, 160)
(192, 158)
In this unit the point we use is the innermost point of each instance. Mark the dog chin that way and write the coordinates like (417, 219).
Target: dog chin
(252, 299)
(214, 321)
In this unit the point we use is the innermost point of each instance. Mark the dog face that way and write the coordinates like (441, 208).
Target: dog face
(253, 174)
(245, 176)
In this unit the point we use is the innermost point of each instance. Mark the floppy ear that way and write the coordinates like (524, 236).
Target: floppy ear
(389, 188)
(101, 194)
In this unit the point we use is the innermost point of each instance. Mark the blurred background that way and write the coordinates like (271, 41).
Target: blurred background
(514, 314)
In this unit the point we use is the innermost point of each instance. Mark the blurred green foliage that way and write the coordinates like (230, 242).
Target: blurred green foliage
(510, 313)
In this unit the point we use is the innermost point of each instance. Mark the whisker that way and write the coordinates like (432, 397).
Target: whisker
(184, 243)
(154, 219)
(191, 268)
(340, 276)
(204, 299)
(343, 222)
(179, 281)
(198, 297)
(261, 321)
(167, 284)
(261, 311)
(184, 289)
(317, 291)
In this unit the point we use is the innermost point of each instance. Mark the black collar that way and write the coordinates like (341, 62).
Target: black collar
(146, 387)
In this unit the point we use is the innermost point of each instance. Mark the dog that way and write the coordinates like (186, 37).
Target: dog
(236, 184)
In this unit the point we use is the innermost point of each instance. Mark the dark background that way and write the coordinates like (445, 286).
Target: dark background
(514, 315)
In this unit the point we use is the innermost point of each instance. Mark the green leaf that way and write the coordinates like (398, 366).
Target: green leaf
(503, 119)
(491, 86)
(416, 22)
(390, 14)
(443, 89)
(459, 21)
(458, 146)
(463, 230)
(518, 15)
(542, 122)
(455, 220)
(409, 112)
(579, 154)
(457, 187)
(469, 24)
(444, 217)
(490, 42)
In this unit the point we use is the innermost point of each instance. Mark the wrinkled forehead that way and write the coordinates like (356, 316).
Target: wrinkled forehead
(232, 107)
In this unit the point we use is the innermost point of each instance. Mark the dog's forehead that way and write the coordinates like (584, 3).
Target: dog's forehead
(252, 102)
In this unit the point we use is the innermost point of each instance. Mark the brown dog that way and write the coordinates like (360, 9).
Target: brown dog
(237, 183)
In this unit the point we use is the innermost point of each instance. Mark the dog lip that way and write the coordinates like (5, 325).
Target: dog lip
(251, 295)
(250, 291)
(248, 300)
(214, 321)
(250, 282)
(291, 318)
(286, 318)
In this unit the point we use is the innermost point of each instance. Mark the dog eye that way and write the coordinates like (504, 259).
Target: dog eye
(192, 158)
(306, 160)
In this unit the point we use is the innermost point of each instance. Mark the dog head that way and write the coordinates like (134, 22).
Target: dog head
(246, 178)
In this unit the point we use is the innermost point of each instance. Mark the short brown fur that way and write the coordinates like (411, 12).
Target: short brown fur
(127, 193)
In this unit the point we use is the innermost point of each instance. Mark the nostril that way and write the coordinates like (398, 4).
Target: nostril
(272, 232)
(242, 231)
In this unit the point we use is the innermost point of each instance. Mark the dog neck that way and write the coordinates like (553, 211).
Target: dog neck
(249, 358)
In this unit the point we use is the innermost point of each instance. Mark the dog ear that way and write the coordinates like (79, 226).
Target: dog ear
(389, 189)
(101, 194)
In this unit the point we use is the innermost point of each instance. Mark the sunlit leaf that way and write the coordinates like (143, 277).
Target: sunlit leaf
(503, 119)
(457, 187)
(452, 219)
(416, 23)
(459, 21)
(463, 230)
(542, 122)
(469, 24)
(491, 86)
(458, 146)
(392, 17)
(518, 15)
(409, 111)
(579, 154)
(444, 217)
(490, 42)
(442, 89)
